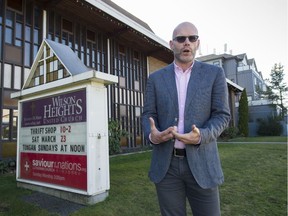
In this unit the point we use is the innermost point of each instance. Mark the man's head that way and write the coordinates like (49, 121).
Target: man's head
(184, 44)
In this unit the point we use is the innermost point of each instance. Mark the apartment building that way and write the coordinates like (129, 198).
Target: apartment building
(243, 71)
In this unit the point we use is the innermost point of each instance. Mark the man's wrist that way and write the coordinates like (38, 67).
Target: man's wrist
(150, 139)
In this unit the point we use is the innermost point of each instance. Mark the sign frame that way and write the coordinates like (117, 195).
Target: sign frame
(97, 147)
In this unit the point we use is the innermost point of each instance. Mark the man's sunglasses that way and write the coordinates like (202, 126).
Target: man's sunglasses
(182, 39)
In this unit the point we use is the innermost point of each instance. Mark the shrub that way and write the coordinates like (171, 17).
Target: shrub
(115, 134)
(229, 133)
(7, 166)
(3, 167)
(269, 127)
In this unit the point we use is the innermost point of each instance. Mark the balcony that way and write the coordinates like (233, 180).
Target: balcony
(244, 67)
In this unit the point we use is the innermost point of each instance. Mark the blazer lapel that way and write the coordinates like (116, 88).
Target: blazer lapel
(170, 84)
(193, 84)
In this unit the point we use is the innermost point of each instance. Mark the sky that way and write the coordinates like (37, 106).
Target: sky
(258, 28)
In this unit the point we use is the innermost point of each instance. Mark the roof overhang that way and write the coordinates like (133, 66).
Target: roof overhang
(116, 23)
(234, 86)
(126, 20)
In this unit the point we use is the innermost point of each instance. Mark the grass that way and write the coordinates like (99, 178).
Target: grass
(255, 179)
(255, 184)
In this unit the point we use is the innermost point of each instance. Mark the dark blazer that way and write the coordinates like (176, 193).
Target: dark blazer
(206, 106)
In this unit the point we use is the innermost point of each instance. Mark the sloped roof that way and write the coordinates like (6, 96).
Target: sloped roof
(234, 86)
(253, 62)
(67, 57)
(129, 15)
(214, 56)
(242, 56)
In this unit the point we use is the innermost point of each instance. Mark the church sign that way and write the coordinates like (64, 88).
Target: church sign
(62, 136)
(53, 137)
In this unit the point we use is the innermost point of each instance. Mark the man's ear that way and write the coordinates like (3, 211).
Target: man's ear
(198, 44)
(171, 44)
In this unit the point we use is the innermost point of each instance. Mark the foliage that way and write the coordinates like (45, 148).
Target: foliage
(269, 127)
(277, 87)
(243, 115)
(3, 167)
(229, 133)
(7, 166)
(115, 134)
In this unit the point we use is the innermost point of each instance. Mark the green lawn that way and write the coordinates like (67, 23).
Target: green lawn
(255, 184)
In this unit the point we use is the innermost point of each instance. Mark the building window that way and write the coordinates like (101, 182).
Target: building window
(5, 124)
(89, 45)
(127, 97)
(101, 54)
(216, 63)
(9, 131)
(29, 14)
(32, 34)
(95, 56)
(7, 76)
(14, 27)
(26, 74)
(67, 25)
(1, 47)
(9, 27)
(18, 34)
(67, 33)
(90, 35)
(27, 55)
(17, 77)
(14, 124)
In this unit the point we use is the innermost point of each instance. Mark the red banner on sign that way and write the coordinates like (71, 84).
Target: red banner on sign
(62, 170)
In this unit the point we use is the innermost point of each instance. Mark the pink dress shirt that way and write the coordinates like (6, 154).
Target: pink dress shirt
(182, 79)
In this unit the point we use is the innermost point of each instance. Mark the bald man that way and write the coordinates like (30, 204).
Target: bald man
(185, 110)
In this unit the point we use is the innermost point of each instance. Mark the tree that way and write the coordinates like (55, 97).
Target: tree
(277, 88)
(243, 114)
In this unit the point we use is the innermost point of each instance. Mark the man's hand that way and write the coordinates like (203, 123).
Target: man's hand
(156, 136)
(193, 137)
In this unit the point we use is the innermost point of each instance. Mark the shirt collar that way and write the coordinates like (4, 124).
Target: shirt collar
(178, 69)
